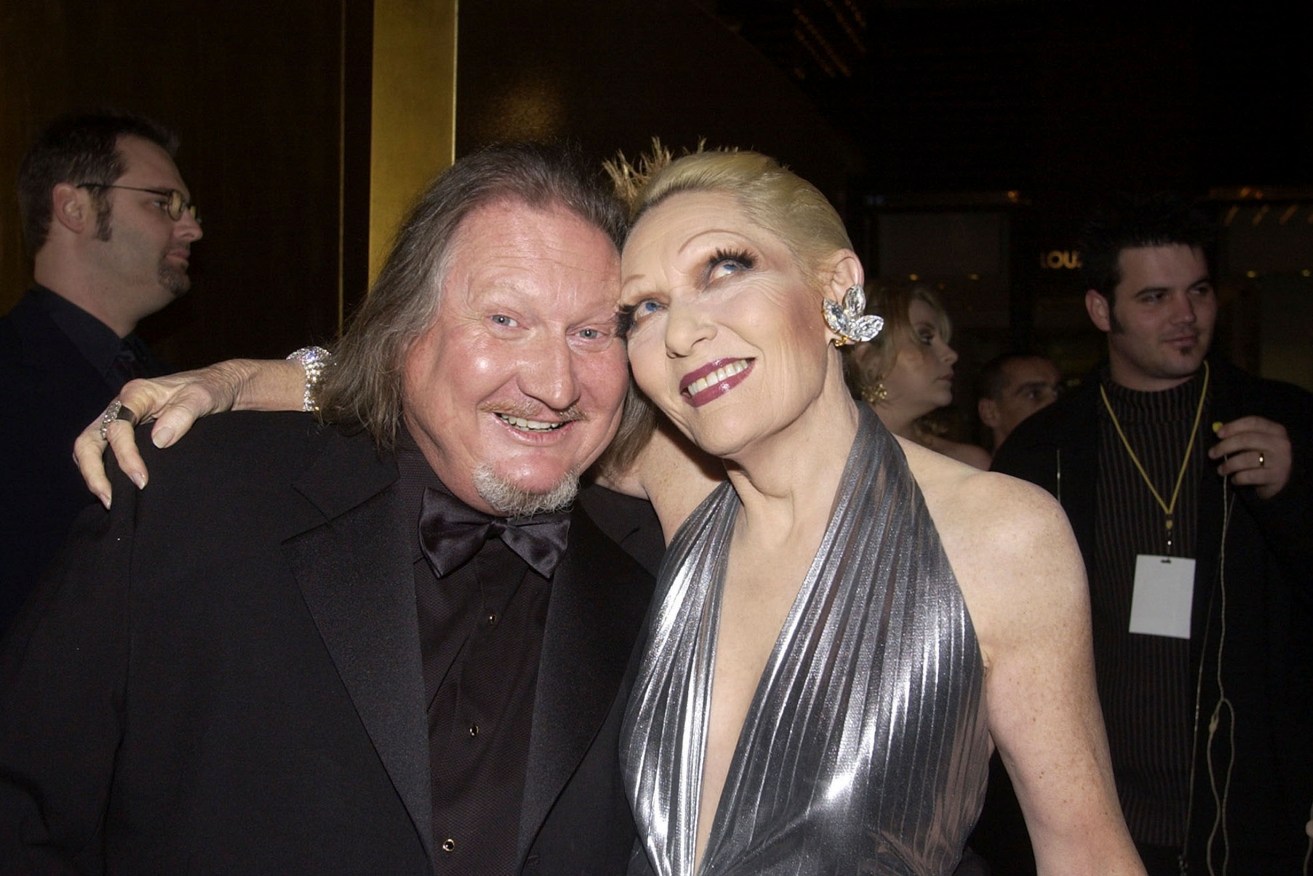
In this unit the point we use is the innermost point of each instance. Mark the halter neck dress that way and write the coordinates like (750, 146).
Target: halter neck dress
(865, 748)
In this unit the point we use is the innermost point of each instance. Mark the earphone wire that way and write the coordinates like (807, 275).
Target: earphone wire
(1221, 800)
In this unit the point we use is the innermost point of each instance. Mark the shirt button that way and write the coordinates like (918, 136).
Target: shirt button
(474, 729)
(449, 845)
(492, 618)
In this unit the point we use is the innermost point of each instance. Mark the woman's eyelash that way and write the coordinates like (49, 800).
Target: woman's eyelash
(742, 257)
(624, 320)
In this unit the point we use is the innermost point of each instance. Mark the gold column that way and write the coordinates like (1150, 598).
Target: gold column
(413, 124)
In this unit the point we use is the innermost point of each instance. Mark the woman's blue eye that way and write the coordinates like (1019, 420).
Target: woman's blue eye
(631, 315)
(725, 262)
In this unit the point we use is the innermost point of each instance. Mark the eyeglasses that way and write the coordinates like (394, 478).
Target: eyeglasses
(175, 205)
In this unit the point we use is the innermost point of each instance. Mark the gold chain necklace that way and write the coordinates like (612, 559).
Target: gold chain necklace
(1169, 508)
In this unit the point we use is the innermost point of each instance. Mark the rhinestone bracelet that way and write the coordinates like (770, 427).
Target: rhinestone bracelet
(314, 360)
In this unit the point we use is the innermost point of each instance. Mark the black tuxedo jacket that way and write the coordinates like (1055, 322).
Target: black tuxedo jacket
(223, 675)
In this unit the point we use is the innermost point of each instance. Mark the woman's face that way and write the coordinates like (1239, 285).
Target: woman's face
(921, 379)
(727, 336)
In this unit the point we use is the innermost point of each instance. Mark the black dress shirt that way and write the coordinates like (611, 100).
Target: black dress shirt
(117, 359)
(481, 633)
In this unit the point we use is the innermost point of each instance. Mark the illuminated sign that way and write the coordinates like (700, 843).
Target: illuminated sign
(1060, 260)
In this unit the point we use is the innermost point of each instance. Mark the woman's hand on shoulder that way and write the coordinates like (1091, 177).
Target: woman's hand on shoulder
(175, 402)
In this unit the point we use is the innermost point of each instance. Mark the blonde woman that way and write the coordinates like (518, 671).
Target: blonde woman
(907, 371)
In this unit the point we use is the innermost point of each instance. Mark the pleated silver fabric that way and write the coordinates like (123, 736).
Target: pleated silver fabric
(865, 749)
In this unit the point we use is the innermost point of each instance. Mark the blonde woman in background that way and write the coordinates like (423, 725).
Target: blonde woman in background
(907, 371)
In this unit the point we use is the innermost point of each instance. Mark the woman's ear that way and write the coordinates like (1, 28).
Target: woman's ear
(844, 271)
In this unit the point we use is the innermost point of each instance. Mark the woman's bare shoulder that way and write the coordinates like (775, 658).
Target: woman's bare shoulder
(970, 454)
(959, 495)
(1008, 542)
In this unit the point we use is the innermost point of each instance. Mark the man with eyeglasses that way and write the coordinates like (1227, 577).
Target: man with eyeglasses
(109, 223)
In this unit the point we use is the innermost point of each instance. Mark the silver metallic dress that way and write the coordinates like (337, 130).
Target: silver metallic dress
(865, 748)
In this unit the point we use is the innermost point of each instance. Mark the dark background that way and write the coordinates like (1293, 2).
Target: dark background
(961, 140)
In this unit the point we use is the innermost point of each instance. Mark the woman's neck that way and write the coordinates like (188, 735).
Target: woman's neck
(795, 474)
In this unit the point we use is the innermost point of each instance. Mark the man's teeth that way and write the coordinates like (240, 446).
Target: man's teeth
(716, 377)
(529, 425)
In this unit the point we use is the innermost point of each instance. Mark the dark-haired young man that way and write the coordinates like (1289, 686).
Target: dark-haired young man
(1187, 482)
(110, 224)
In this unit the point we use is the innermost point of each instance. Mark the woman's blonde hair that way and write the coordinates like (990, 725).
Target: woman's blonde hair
(773, 197)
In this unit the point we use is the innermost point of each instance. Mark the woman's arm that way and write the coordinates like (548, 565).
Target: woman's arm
(176, 401)
(672, 474)
(1024, 582)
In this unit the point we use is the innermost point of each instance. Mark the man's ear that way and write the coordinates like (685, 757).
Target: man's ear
(71, 207)
(987, 408)
(1099, 310)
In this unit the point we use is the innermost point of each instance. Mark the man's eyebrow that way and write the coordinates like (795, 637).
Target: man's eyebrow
(1205, 280)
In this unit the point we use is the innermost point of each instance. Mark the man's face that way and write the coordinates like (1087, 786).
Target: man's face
(140, 252)
(1161, 316)
(517, 385)
(1029, 384)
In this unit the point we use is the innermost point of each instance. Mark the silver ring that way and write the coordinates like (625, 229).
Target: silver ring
(115, 411)
(1262, 460)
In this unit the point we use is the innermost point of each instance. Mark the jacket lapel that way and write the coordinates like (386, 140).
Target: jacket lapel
(355, 574)
(598, 604)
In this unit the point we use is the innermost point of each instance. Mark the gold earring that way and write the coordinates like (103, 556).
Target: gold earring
(875, 392)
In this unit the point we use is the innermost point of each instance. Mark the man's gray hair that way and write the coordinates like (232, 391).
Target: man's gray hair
(364, 387)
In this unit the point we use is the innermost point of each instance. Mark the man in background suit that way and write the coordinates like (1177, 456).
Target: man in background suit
(110, 224)
(376, 645)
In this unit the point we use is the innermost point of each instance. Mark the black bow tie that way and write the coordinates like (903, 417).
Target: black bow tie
(451, 532)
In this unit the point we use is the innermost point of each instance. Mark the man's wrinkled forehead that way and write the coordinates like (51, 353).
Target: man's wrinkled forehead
(509, 237)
